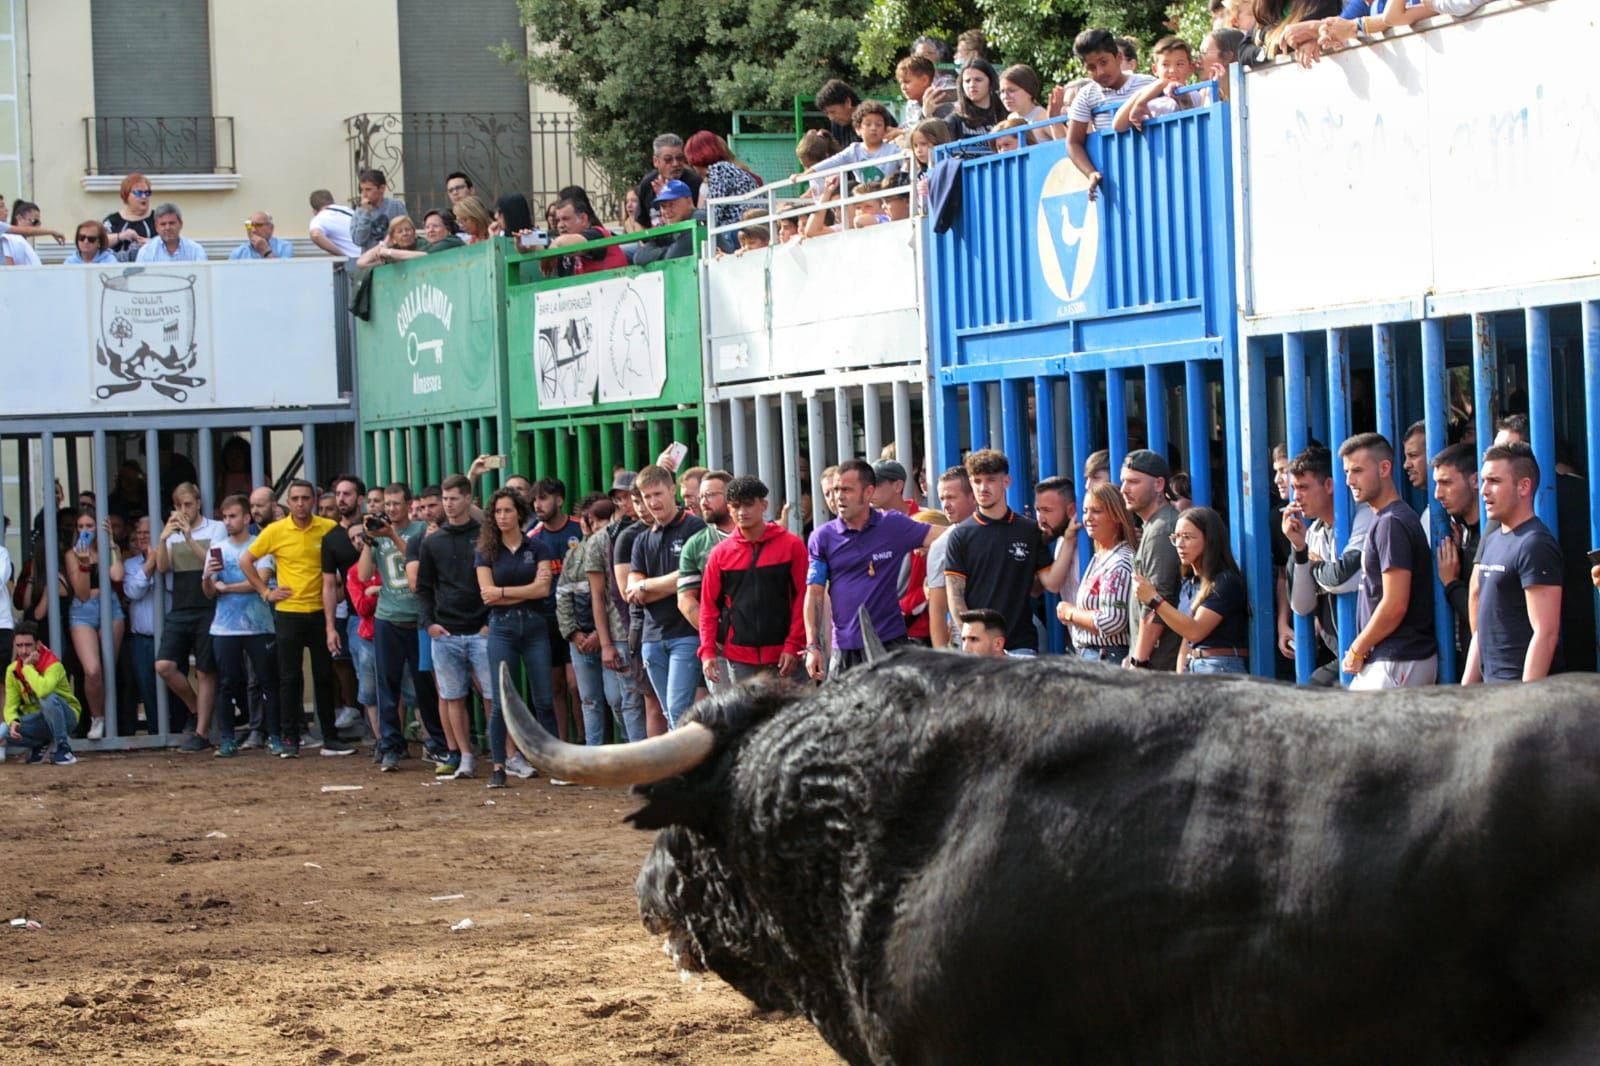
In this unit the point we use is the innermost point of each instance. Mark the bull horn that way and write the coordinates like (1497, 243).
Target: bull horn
(869, 636)
(608, 765)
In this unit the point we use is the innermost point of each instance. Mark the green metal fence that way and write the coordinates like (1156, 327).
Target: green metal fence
(432, 366)
(604, 369)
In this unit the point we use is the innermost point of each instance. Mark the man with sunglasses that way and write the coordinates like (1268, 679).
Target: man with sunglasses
(670, 165)
(260, 242)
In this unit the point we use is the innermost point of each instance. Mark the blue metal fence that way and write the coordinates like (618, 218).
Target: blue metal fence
(1061, 325)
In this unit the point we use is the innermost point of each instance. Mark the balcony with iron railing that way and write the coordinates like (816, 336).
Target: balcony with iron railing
(535, 154)
(188, 151)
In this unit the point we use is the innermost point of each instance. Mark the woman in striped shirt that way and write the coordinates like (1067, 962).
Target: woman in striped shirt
(1098, 618)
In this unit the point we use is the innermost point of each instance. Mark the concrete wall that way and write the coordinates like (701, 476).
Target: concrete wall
(289, 73)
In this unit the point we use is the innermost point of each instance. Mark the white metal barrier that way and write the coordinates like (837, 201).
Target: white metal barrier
(1424, 163)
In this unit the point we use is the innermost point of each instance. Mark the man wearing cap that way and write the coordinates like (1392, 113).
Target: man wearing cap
(1151, 645)
(889, 493)
(675, 202)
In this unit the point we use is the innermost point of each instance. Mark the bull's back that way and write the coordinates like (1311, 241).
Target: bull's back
(1178, 870)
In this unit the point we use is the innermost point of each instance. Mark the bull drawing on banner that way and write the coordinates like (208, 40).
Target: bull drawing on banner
(147, 333)
(951, 859)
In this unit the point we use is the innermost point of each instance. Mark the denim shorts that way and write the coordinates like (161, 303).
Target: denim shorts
(453, 655)
(87, 613)
(365, 660)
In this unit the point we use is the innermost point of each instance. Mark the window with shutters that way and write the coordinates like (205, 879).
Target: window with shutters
(152, 91)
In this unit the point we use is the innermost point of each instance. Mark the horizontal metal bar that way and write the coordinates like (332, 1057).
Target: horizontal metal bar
(814, 384)
(1518, 297)
(228, 419)
(1347, 317)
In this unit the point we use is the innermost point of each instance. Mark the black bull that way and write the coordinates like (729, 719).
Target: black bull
(945, 859)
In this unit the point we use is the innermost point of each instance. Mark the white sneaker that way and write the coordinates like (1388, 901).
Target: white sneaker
(97, 729)
(347, 718)
(519, 766)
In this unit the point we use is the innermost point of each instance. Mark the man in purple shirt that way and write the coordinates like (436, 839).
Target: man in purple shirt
(856, 559)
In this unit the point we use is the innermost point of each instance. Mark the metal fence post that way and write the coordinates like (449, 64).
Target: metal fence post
(1436, 414)
(1542, 413)
(1295, 421)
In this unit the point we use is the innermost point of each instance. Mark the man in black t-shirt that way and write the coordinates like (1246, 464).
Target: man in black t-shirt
(670, 644)
(356, 675)
(1394, 646)
(1516, 584)
(995, 558)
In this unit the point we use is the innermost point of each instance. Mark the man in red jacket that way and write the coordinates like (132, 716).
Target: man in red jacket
(752, 592)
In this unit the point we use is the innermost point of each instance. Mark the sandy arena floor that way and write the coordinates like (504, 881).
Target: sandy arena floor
(194, 910)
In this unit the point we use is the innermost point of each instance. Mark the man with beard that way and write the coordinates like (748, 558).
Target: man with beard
(955, 496)
(1055, 505)
(557, 531)
(692, 561)
(1152, 646)
(339, 556)
(1455, 486)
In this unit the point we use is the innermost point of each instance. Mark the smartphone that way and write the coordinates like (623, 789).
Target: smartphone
(84, 540)
(494, 462)
(216, 558)
(534, 238)
(676, 452)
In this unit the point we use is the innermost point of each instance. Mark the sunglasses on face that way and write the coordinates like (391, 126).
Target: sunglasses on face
(142, 194)
(95, 237)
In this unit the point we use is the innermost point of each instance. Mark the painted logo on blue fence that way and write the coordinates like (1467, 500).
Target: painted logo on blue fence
(1069, 236)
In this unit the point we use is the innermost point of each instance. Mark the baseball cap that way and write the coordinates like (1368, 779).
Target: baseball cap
(623, 481)
(1147, 462)
(674, 190)
(888, 470)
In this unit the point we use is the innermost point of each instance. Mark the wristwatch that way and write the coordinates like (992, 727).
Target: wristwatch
(1138, 664)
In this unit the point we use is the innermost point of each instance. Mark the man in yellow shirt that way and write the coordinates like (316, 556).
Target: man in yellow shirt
(299, 622)
(40, 706)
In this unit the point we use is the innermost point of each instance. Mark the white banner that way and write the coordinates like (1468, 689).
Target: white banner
(843, 302)
(607, 335)
(159, 339)
(1406, 167)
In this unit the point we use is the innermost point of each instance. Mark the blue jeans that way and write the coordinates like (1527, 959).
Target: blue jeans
(457, 659)
(364, 660)
(139, 655)
(51, 723)
(1219, 664)
(600, 689)
(674, 669)
(1111, 653)
(396, 649)
(519, 635)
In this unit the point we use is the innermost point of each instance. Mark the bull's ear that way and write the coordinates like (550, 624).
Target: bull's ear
(675, 801)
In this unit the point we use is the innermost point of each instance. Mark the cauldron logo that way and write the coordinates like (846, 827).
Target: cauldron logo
(147, 324)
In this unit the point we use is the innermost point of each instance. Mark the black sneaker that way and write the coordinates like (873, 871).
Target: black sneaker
(337, 748)
(35, 755)
(497, 779)
(389, 763)
(291, 749)
(194, 742)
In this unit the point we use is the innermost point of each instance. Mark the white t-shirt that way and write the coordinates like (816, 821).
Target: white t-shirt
(6, 575)
(19, 251)
(334, 222)
(1093, 96)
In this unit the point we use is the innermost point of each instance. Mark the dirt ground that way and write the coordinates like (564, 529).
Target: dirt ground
(195, 910)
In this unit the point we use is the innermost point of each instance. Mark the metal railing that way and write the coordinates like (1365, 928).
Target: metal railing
(794, 200)
(532, 153)
(164, 144)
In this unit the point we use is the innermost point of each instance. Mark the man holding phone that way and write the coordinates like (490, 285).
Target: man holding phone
(181, 552)
(241, 629)
(394, 637)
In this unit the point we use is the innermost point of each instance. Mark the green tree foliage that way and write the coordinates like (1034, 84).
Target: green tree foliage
(1036, 32)
(635, 68)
